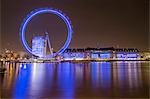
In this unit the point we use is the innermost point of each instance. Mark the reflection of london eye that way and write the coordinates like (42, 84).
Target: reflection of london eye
(41, 11)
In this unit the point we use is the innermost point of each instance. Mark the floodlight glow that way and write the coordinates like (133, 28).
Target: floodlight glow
(41, 11)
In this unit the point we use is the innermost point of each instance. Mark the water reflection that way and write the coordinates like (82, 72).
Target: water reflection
(75, 80)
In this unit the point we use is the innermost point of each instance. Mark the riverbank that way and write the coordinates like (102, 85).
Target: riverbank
(55, 61)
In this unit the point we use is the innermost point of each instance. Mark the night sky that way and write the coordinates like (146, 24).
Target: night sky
(96, 23)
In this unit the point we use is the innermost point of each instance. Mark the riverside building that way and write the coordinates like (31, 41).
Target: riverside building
(101, 54)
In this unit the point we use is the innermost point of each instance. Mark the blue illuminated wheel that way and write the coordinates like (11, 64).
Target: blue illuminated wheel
(41, 11)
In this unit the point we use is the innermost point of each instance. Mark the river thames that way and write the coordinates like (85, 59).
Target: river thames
(68, 80)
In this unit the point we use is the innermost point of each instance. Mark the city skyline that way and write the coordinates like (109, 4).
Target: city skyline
(74, 49)
(95, 23)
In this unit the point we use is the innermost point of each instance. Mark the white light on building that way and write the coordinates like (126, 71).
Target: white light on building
(38, 46)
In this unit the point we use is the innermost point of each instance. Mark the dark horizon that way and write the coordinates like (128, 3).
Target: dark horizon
(96, 23)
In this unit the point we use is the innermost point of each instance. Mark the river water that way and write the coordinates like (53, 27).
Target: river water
(68, 80)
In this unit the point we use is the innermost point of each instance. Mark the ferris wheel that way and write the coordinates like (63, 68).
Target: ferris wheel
(42, 11)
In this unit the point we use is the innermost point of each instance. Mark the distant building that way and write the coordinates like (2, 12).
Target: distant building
(126, 54)
(101, 54)
(39, 46)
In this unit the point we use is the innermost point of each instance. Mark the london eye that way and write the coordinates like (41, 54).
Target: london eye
(39, 11)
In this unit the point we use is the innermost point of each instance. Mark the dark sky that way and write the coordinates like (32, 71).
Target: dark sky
(96, 23)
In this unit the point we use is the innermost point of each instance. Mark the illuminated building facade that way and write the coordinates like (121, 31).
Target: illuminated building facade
(101, 54)
(39, 46)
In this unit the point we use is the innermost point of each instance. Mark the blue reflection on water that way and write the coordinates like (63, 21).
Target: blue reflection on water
(22, 82)
(105, 72)
(122, 74)
(43, 80)
(66, 79)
